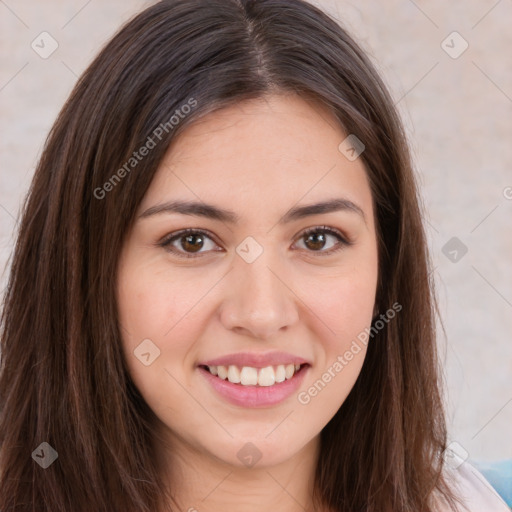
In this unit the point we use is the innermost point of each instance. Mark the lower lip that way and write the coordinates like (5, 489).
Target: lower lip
(255, 396)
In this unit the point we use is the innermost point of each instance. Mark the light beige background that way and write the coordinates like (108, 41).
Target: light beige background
(458, 113)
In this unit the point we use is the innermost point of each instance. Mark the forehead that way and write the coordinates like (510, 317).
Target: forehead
(274, 149)
(304, 129)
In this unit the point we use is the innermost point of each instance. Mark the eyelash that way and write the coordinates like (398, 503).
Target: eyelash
(166, 243)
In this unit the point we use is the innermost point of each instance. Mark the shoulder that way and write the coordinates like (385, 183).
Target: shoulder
(473, 489)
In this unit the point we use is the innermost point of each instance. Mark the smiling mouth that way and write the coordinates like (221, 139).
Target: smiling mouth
(251, 376)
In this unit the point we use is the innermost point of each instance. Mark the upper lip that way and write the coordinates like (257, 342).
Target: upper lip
(255, 360)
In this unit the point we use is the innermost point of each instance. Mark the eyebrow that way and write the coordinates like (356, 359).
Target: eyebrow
(210, 211)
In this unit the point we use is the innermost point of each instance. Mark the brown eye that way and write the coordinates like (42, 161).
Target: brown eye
(189, 243)
(192, 243)
(317, 238)
(315, 241)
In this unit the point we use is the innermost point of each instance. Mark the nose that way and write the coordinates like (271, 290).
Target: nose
(258, 300)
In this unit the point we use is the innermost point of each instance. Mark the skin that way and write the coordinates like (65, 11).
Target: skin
(259, 159)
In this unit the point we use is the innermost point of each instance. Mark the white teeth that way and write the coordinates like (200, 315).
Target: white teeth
(222, 372)
(280, 373)
(266, 376)
(249, 376)
(233, 374)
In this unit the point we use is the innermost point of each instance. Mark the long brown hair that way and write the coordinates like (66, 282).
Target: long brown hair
(63, 378)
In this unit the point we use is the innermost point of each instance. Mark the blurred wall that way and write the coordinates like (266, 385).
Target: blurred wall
(449, 68)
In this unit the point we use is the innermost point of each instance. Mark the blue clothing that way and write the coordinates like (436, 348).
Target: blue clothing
(499, 475)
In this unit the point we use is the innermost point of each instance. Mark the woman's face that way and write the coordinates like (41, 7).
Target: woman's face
(250, 291)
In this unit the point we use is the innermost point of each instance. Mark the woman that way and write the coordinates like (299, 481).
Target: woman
(220, 292)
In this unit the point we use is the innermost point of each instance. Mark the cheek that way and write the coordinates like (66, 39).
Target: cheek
(154, 304)
(343, 304)
(151, 308)
(343, 309)
(170, 310)
(347, 311)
